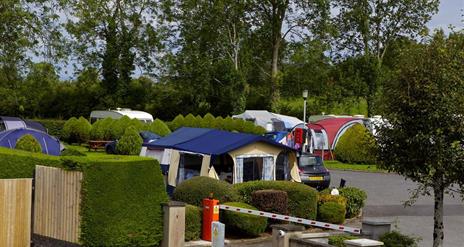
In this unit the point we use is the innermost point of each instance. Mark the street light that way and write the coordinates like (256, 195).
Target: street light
(305, 96)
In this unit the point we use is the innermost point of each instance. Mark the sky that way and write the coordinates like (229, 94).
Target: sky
(450, 12)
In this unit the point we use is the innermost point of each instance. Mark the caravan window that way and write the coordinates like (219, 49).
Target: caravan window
(2, 126)
(189, 166)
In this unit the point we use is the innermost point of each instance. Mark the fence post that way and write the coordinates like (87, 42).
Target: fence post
(173, 224)
(210, 214)
(281, 234)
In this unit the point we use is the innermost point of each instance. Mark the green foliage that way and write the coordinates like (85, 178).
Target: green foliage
(72, 152)
(53, 126)
(337, 240)
(160, 128)
(331, 212)
(323, 198)
(193, 221)
(396, 239)
(177, 122)
(130, 143)
(121, 204)
(355, 200)
(194, 190)
(356, 145)
(21, 164)
(328, 105)
(302, 199)
(240, 223)
(191, 121)
(275, 201)
(28, 143)
(77, 130)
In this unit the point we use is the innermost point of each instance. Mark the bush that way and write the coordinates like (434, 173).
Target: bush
(130, 143)
(323, 198)
(177, 122)
(355, 199)
(121, 203)
(72, 152)
(337, 240)
(193, 217)
(356, 145)
(194, 190)
(76, 130)
(274, 201)
(332, 212)
(396, 239)
(160, 128)
(28, 143)
(302, 199)
(54, 127)
(240, 223)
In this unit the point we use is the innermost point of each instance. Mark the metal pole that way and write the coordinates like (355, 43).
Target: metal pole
(304, 112)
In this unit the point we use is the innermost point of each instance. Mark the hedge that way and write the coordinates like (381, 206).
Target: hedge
(28, 143)
(21, 164)
(76, 130)
(332, 212)
(274, 201)
(397, 239)
(193, 216)
(302, 199)
(121, 204)
(194, 190)
(355, 200)
(357, 145)
(54, 127)
(337, 240)
(240, 223)
(130, 143)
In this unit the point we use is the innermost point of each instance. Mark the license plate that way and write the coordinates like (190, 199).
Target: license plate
(316, 178)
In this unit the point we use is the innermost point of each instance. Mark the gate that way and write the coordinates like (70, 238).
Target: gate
(15, 212)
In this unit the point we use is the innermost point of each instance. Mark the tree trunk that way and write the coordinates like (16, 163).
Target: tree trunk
(438, 235)
(275, 90)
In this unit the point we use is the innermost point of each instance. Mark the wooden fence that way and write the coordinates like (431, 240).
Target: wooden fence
(56, 203)
(15, 212)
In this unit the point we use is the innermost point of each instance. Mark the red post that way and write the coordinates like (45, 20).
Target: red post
(210, 214)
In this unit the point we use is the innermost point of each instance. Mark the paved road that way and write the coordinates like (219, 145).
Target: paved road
(386, 194)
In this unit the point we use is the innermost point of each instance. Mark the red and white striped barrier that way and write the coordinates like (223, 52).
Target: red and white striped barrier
(292, 219)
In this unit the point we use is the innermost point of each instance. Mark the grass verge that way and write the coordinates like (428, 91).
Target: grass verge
(337, 165)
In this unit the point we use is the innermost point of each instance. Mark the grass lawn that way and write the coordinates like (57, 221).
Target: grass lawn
(337, 165)
(102, 155)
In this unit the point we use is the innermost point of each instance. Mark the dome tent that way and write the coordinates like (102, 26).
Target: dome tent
(49, 144)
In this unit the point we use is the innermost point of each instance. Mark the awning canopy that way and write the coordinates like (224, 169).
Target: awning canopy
(209, 141)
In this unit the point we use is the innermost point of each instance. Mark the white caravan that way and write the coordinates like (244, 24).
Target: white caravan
(119, 113)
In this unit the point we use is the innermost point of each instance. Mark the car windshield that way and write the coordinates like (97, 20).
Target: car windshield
(310, 161)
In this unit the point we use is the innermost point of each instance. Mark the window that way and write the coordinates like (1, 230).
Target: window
(189, 166)
(252, 169)
(282, 166)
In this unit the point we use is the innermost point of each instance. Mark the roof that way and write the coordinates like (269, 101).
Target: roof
(209, 141)
(263, 117)
(122, 112)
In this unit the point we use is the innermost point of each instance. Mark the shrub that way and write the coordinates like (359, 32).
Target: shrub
(193, 216)
(332, 212)
(337, 240)
(190, 121)
(302, 199)
(28, 143)
(356, 145)
(240, 223)
(121, 203)
(119, 127)
(209, 121)
(355, 199)
(194, 190)
(76, 130)
(160, 128)
(275, 201)
(228, 124)
(54, 127)
(323, 198)
(177, 122)
(130, 143)
(72, 152)
(396, 239)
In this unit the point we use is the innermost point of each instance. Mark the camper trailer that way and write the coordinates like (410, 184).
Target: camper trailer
(119, 113)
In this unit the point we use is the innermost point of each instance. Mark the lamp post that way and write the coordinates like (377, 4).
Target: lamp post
(305, 96)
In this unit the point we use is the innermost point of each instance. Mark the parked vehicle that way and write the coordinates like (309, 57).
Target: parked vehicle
(313, 172)
(119, 113)
(147, 136)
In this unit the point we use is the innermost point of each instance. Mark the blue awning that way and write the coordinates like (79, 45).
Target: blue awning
(209, 141)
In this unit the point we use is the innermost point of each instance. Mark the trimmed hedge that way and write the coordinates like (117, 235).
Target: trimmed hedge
(194, 190)
(323, 198)
(121, 204)
(72, 152)
(337, 240)
(274, 201)
(357, 145)
(28, 143)
(21, 164)
(130, 143)
(54, 126)
(302, 199)
(76, 130)
(355, 200)
(396, 239)
(243, 224)
(160, 128)
(332, 212)
(193, 221)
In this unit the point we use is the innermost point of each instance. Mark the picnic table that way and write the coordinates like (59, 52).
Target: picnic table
(95, 145)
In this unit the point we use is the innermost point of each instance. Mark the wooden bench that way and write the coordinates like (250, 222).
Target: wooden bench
(95, 145)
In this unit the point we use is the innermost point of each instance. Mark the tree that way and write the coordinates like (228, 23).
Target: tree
(114, 36)
(424, 107)
(39, 87)
(367, 27)
(300, 17)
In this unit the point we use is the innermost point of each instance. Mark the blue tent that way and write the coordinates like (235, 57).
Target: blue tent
(208, 141)
(50, 145)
